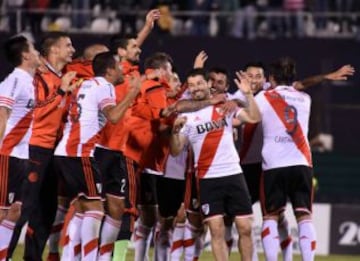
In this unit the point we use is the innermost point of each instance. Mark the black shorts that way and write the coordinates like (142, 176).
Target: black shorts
(81, 175)
(225, 196)
(12, 175)
(147, 194)
(277, 185)
(170, 194)
(252, 174)
(112, 167)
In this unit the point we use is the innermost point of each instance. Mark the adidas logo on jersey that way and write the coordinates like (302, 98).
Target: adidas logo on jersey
(211, 125)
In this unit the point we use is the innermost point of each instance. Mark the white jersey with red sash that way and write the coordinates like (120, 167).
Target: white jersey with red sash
(285, 119)
(17, 95)
(210, 134)
(85, 119)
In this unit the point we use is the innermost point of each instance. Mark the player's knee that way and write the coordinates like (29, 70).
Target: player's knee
(244, 227)
(302, 215)
(91, 205)
(217, 234)
(115, 207)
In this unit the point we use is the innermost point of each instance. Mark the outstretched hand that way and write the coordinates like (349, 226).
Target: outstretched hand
(341, 74)
(242, 82)
(151, 17)
(200, 59)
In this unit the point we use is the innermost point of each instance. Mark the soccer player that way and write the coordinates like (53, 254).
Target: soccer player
(287, 162)
(173, 181)
(209, 132)
(91, 104)
(252, 140)
(51, 87)
(127, 50)
(250, 156)
(16, 103)
(83, 68)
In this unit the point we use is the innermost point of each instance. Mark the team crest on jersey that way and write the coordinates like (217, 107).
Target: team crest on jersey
(99, 187)
(205, 209)
(11, 197)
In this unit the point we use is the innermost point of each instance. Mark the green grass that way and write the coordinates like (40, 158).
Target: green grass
(206, 256)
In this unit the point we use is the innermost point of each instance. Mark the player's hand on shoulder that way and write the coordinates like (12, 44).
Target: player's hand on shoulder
(218, 98)
(229, 107)
(66, 81)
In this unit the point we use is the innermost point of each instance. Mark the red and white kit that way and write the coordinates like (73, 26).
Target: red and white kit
(287, 115)
(81, 133)
(210, 133)
(17, 94)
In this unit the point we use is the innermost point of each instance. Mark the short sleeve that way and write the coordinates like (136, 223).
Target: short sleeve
(105, 96)
(9, 91)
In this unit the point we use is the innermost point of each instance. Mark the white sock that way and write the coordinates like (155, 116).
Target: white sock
(6, 231)
(109, 232)
(177, 246)
(90, 231)
(54, 236)
(270, 239)
(254, 254)
(192, 242)
(307, 240)
(286, 242)
(141, 241)
(162, 243)
(72, 247)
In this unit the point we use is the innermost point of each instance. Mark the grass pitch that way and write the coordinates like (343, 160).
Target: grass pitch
(206, 256)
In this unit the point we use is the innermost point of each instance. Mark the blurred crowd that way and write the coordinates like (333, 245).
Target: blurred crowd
(236, 18)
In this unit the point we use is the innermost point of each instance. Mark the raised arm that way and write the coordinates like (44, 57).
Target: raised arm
(339, 75)
(151, 17)
(250, 113)
(200, 59)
